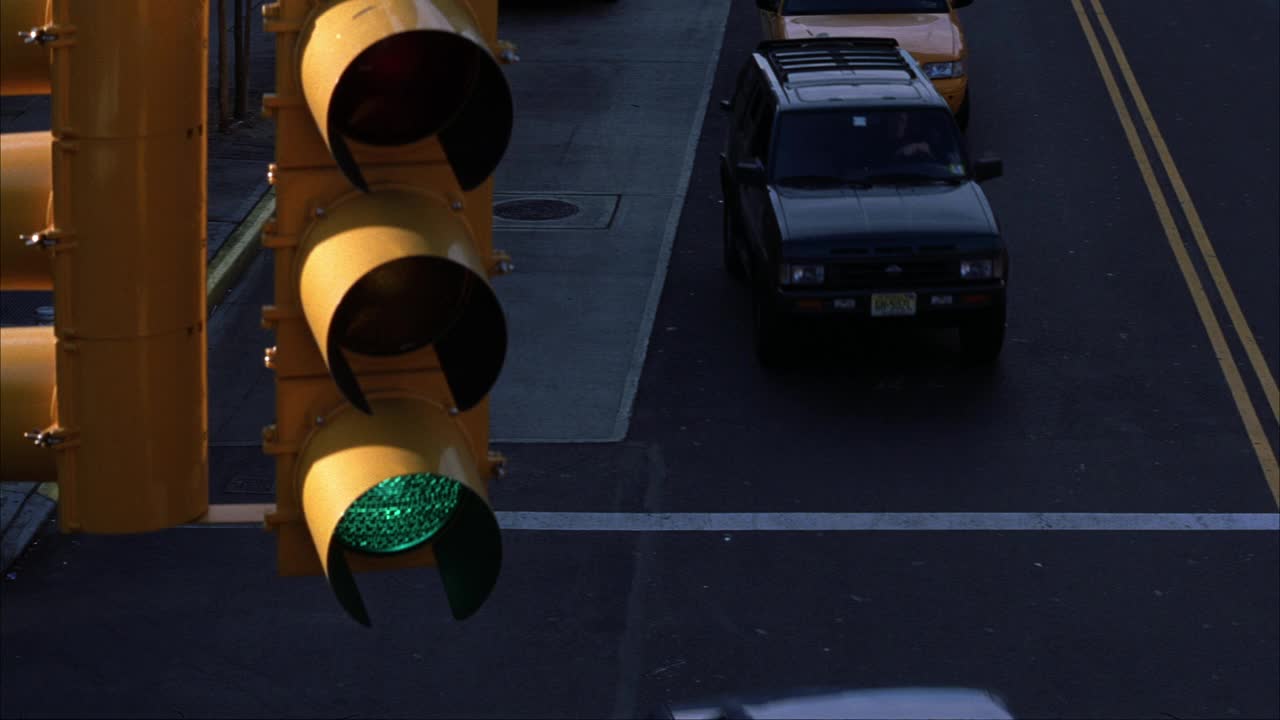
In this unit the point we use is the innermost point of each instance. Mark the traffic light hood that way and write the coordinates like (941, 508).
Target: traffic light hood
(395, 270)
(393, 72)
(26, 208)
(391, 482)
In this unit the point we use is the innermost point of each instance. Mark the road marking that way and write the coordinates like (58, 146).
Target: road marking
(907, 521)
(1244, 404)
(851, 522)
(1207, 252)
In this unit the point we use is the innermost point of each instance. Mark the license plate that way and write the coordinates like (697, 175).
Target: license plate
(893, 304)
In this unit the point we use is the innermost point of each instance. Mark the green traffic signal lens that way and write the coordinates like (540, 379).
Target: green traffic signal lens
(399, 513)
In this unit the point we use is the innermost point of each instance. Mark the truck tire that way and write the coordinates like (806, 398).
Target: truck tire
(769, 331)
(982, 337)
(732, 263)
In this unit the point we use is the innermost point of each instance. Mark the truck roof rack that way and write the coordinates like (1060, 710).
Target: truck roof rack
(794, 57)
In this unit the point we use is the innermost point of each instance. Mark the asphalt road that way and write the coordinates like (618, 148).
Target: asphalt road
(1110, 398)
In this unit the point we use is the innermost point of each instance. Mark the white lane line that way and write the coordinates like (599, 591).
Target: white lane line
(838, 522)
(623, 419)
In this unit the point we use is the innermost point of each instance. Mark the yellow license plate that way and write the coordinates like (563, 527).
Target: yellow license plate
(893, 304)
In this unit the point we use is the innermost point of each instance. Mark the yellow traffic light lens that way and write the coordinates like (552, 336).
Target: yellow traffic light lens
(399, 513)
(402, 305)
(406, 87)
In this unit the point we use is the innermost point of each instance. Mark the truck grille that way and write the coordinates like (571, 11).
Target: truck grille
(904, 273)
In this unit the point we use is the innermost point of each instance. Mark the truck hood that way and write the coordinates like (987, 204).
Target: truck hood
(853, 215)
(929, 37)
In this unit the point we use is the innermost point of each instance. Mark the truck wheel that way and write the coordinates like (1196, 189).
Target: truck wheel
(770, 332)
(731, 261)
(982, 337)
(962, 115)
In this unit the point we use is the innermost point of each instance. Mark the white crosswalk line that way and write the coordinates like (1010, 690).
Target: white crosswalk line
(843, 522)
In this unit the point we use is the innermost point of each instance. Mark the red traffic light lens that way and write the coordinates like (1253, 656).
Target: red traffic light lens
(406, 87)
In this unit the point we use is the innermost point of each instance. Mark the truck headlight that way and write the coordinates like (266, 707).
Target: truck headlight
(977, 269)
(935, 71)
(802, 274)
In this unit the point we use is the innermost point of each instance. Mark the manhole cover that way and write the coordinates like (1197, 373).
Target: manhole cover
(535, 209)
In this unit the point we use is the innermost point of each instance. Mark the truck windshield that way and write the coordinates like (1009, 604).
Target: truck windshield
(861, 146)
(861, 7)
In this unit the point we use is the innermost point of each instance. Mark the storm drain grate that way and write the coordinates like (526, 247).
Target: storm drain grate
(535, 209)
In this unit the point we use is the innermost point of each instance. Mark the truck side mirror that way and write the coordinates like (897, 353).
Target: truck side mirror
(987, 168)
(751, 172)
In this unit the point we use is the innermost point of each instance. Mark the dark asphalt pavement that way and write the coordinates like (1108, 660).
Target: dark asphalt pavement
(1108, 398)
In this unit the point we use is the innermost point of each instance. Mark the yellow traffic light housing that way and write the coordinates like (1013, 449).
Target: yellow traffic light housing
(392, 481)
(27, 386)
(392, 72)
(24, 64)
(390, 115)
(26, 191)
(113, 211)
(392, 271)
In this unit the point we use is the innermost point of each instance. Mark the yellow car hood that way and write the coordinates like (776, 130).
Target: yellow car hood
(929, 37)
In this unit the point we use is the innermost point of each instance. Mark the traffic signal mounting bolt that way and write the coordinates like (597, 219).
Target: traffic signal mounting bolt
(43, 239)
(44, 438)
(37, 36)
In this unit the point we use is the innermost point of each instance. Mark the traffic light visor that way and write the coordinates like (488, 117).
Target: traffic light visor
(393, 72)
(392, 271)
(390, 482)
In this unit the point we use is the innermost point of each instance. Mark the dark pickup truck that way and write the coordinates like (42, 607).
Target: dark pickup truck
(848, 192)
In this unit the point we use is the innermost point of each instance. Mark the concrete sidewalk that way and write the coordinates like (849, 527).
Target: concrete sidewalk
(238, 204)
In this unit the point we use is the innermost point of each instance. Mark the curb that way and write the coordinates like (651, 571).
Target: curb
(26, 507)
(239, 250)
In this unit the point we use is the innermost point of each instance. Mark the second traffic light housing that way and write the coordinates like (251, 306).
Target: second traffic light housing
(391, 116)
(389, 73)
(396, 270)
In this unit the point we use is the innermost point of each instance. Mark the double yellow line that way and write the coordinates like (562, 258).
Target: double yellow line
(1244, 404)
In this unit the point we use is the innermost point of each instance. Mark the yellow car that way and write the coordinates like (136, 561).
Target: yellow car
(928, 29)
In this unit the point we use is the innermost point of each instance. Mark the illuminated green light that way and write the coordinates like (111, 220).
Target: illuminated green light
(399, 513)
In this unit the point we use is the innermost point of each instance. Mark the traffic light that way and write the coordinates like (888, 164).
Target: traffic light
(111, 205)
(24, 65)
(26, 353)
(391, 116)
